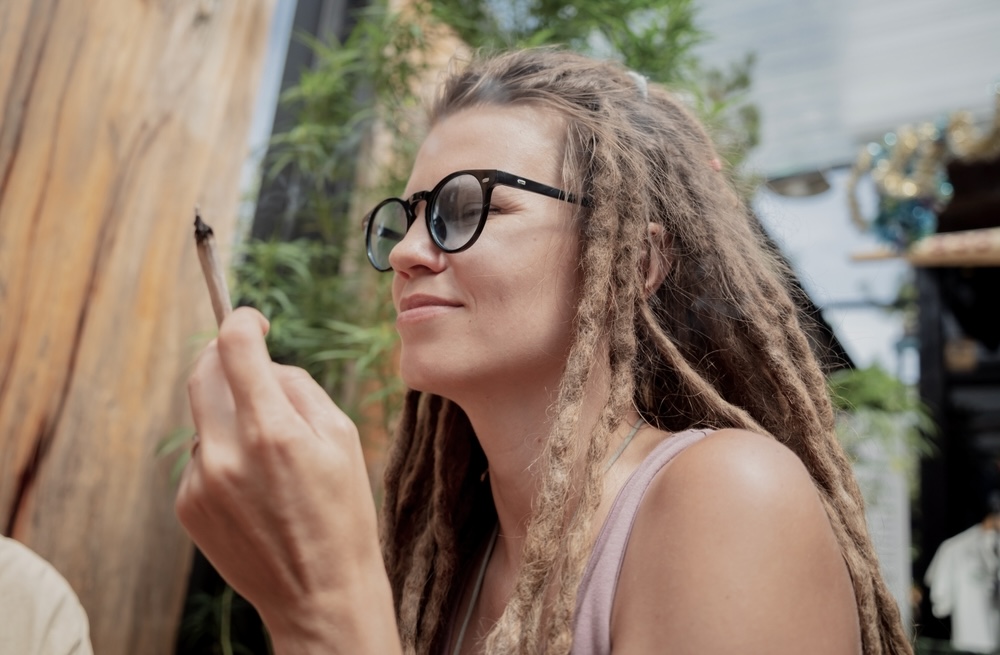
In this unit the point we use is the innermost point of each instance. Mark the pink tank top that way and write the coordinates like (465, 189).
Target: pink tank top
(594, 599)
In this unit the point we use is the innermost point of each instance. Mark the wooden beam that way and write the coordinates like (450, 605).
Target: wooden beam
(116, 118)
(980, 247)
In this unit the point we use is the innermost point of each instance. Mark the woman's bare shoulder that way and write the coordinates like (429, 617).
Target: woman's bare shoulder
(732, 551)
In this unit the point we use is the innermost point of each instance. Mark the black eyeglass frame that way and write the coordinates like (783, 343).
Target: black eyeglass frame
(488, 180)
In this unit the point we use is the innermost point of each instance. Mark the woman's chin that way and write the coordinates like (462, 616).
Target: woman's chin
(427, 378)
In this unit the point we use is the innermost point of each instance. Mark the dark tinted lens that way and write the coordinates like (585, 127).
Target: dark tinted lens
(457, 211)
(386, 228)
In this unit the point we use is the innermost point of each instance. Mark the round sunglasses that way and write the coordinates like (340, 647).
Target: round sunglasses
(456, 212)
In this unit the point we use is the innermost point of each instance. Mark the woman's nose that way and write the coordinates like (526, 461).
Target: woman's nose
(416, 249)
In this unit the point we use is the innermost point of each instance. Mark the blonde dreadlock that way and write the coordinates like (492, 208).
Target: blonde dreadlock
(719, 344)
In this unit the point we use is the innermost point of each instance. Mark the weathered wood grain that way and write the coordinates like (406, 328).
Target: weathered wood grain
(118, 116)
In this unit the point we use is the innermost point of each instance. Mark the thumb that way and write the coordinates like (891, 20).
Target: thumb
(265, 325)
(246, 361)
(263, 322)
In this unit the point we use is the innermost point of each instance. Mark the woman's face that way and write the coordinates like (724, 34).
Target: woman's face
(498, 315)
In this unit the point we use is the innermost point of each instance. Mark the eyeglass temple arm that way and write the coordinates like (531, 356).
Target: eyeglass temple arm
(544, 189)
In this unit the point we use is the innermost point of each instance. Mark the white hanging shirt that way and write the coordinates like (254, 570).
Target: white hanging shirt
(962, 577)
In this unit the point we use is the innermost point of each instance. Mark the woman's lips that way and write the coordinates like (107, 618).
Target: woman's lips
(418, 305)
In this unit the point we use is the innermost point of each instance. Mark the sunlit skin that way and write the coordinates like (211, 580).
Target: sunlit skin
(731, 551)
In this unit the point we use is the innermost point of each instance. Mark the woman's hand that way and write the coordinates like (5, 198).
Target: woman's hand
(277, 497)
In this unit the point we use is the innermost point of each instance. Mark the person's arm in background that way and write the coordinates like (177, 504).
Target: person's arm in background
(39, 612)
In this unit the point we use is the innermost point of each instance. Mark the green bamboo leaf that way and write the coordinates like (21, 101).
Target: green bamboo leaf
(178, 466)
(330, 355)
(176, 439)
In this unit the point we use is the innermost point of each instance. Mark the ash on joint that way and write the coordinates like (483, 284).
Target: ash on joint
(202, 230)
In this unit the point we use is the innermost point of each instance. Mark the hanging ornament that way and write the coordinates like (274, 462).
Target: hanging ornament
(908, 167)
(965, 141)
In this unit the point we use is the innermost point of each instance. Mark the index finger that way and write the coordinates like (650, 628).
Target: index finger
(247, 363)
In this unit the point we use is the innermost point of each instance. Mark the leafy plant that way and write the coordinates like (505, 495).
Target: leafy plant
(326, 316)
(176, 443)
(653, 37)
(321, 321)
(353, 89)
(878, 408)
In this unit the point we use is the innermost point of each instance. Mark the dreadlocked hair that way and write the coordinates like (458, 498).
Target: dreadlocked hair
(718, 344)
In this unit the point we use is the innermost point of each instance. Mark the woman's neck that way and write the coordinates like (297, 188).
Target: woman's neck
(513, 428)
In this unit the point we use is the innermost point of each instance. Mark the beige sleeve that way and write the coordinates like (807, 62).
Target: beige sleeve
(39, 613)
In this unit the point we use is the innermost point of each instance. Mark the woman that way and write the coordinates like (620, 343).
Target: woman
(582, 300)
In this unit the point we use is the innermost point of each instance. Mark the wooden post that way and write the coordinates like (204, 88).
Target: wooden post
(117, 117)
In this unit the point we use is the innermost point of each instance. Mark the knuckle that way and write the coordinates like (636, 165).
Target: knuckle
(295, 372)
(343, 424)
(279, 445)
(251, 428)
(292, 378)
(221, 465)
(266, 436)
(186, 506)
(218, 478)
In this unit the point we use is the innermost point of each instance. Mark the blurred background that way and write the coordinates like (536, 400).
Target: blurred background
(865, 135)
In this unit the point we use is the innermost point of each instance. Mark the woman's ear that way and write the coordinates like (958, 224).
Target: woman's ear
(658, 261)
